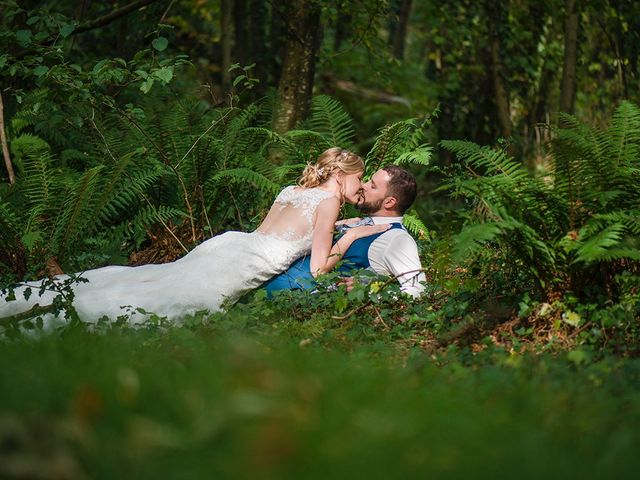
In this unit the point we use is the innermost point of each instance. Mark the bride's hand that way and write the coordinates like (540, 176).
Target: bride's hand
(366, 230)
(348, 221)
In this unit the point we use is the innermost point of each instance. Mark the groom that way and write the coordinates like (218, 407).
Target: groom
(394, 252)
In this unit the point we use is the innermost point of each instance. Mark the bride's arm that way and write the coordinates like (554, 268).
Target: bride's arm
(324, 256)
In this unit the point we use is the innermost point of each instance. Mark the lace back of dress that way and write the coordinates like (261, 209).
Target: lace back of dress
(292, 214)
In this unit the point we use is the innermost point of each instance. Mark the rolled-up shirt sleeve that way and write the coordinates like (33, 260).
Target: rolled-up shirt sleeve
(399, 257)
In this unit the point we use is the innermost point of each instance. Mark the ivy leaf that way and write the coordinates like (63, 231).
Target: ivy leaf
(160, 43)
(67, 29)
(341, 304)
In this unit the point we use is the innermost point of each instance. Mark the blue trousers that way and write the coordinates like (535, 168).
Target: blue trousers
(297, 277)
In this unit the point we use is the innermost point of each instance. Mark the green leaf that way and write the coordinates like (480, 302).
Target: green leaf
(160, 43)
(146, 85)
(164, 74)
(67, 29)
(572, 318)
(40, 70)
(98, 66)
(341, 304)
(3, 60)
(33, 20)
(30, 238)
(238, 79)
(23, 37)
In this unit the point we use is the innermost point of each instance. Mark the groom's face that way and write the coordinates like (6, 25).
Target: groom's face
(374, 193)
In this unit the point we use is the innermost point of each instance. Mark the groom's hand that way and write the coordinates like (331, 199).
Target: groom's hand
(348, 221)
(347, 282)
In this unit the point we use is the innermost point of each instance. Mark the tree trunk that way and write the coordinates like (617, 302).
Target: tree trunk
(400, 31)
(342, 31)
(241, 53)
(298, 68)
(278, 34)
(620, 50)
(568, 85)
(5, 147)
(497, 16)
(226, 40)
(258, 38)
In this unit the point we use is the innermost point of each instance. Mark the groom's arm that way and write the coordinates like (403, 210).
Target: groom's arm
(397, 255)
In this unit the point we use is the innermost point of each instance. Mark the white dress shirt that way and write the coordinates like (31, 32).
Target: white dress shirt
(395, 252)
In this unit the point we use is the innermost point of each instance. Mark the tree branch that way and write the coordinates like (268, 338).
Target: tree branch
(382, 287)
(116, 14)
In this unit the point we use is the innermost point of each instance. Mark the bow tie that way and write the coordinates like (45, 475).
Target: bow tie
(364, 221)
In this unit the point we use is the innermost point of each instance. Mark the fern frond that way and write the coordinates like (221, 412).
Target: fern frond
(473, 237)
(421, 156)
(152, 215)
(247, 176)
(389, 144)
(78, 211)
(414, 225)
(330, 120)
(596, 246)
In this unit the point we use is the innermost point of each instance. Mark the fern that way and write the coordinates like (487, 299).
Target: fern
(581, 219)
(413, 223)
(152, 215)
(400, 143)
(330, 120)
(77, 213)
(245, 176)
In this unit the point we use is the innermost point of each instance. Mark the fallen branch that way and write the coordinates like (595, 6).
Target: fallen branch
(35, 310)
(366, 93)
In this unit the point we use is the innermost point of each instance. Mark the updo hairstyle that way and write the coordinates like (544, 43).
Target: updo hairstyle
(329, 161)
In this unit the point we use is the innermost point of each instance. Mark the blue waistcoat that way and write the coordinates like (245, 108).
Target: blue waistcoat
(298, 276)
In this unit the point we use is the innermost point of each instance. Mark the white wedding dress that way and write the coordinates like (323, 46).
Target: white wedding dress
(216, 272)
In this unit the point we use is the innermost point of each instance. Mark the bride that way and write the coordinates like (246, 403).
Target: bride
(223, 268)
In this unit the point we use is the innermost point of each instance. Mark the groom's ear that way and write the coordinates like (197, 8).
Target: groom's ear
(390, 203)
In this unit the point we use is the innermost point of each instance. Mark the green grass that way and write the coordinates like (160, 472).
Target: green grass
(240, 398)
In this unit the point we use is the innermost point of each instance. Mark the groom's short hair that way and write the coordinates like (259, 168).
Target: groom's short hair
(402, 185)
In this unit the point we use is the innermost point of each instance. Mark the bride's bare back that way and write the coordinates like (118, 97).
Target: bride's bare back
(293, 214)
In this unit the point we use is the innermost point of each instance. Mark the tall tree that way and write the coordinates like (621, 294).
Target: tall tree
(342, 25)
(497, 11)
(226, 39)
(399, 39)
(568, 85)
(240, 32)
(258, 18)
(298, 67)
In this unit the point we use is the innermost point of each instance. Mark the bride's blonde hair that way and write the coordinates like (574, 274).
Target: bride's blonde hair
(332, 159)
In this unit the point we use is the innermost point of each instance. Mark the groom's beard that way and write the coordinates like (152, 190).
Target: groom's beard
(367, 208)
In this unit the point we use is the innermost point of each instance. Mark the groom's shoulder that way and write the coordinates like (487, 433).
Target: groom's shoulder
(398, 234)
